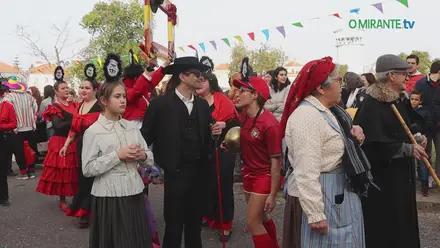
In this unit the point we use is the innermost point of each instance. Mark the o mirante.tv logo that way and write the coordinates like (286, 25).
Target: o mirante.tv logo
(381, 24)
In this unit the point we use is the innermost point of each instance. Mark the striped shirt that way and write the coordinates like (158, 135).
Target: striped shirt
(26, 108)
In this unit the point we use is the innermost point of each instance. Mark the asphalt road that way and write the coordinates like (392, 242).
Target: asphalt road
(34, 221)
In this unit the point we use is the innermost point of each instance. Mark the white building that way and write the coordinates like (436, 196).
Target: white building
(40, 76)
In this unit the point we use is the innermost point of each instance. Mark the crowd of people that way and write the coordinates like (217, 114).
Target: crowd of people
(332, 142)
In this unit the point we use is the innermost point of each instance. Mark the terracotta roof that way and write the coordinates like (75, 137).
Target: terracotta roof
(8, 68)
(222, 67)
(292, 63)
(43, 69)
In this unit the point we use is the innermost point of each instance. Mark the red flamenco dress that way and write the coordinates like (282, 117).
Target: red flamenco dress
(80, 206)
(60, 174)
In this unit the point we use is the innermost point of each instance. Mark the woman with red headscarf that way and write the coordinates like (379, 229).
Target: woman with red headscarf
(330, 172)
(223, 111)
(260, 144)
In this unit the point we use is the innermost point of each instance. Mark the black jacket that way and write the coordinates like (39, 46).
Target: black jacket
(161, 129)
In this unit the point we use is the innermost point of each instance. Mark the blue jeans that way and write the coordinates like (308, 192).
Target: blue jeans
(423, 172)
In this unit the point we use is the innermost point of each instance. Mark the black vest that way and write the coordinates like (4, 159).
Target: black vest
(190, 143)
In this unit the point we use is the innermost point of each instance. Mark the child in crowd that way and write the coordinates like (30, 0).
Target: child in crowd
(416, 98)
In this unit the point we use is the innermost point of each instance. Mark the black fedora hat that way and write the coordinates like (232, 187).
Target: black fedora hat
(185, 64)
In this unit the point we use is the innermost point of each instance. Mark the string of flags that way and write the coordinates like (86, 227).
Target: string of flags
(281, 29)
(266, 32)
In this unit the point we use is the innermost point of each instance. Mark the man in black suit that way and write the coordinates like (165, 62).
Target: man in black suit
(178, 125)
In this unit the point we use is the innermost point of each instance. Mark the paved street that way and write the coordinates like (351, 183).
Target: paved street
(34, 221)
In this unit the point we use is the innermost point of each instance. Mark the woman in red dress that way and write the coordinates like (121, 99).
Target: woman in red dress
(60, 174)
(87, 113)
(260, 144)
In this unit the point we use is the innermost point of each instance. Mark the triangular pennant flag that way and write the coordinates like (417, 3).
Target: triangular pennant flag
(136, 58)
(238, 37)
(214, 44)
(404, 2)
(192, 47)
(266, 33)
(227, 42)
(203, 47)
(252, 36)
(355, 11)
(378, 6)
(100, 62)
(298, 24)
(336, 15)
(282, 31)
(181, 48)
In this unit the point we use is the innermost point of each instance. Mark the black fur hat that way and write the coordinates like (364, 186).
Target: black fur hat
(90, 73)
(133, 70)
(245, 70)
(59, 74)
(207, 61)
(112, 68)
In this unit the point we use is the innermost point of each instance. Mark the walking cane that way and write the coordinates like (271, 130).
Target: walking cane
(217, 166)
(411, 137)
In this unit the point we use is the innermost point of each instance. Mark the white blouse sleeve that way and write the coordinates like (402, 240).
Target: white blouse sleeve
(150, 159)
(92, 163)
(304, 139)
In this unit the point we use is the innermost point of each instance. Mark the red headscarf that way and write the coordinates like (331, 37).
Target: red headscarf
(224, 108)
(309, 78)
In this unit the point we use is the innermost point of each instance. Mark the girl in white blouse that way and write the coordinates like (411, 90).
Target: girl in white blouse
(113, 148)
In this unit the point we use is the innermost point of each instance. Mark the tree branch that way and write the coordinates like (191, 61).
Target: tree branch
(32, 44)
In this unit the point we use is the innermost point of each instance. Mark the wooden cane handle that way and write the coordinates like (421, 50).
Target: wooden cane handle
(413, 140)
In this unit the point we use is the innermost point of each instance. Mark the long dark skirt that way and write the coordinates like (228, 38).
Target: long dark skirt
(119, 222)
(82, 201)
(212, 214)
(292, 223)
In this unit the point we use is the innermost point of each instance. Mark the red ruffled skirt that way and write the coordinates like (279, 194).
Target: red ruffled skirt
(60, 174)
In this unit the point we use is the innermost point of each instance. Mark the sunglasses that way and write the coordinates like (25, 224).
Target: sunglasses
(243, 90)
(196, 73)
(403, 73)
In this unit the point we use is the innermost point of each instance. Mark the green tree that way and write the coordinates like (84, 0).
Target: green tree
(115, 26)
(263, 59)
(425, 59)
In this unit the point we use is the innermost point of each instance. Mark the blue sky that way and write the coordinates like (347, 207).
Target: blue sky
(205, 20)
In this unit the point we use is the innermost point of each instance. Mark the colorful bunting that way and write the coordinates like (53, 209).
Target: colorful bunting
(181, 48)
(266, 33)
(252, 36)
(192, 47)
(100, 62)
(203, 47)
(404, 2)
(282, 31)
(298, 24)
(355, 11)
(144, 56)
(336, 15)
(238, 37)
(136, 58)
(214, 44)
(378, 6)
(227, 42)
